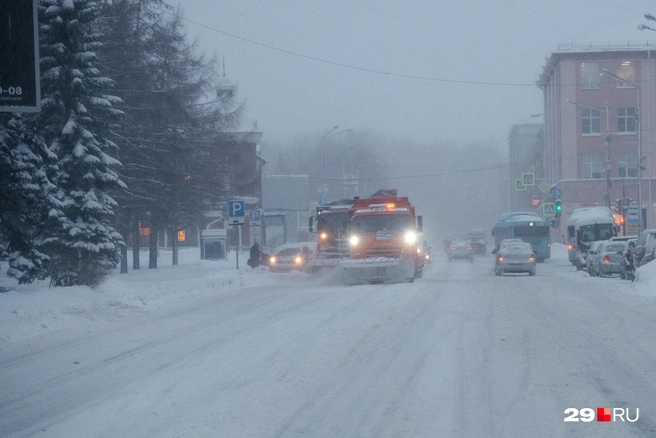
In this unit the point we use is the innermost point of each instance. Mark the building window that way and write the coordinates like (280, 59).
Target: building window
(627, 72)
(626, 121)
(589, 75)
(590, 121)
(181, 236)
(627, 166)
(591, 166)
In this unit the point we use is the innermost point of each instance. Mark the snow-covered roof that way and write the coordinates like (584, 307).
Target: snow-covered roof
(619, 39)
(511, 215)
(525, 218)
(591, 215)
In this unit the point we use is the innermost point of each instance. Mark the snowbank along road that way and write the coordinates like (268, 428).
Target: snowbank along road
(458, 353)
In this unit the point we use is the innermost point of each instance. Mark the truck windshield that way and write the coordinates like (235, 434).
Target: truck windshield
(591, 233)
(332, 222)
(381, 222)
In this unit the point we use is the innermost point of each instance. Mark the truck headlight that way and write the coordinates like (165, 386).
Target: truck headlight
(410, 237)
(354, 240)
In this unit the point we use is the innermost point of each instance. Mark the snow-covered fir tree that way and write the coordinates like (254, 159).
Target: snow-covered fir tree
(75, 119)
(29, 207)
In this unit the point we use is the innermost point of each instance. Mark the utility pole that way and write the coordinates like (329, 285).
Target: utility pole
(609, 184)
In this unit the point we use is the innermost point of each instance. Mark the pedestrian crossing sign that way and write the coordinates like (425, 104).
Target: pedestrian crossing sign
(528, 179)
(548, 209)
(519, 185)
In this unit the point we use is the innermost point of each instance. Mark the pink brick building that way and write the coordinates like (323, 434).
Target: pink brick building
(591, 123)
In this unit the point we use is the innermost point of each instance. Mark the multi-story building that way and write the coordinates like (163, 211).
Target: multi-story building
(599, 100)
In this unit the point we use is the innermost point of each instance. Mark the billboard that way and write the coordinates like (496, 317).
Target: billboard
(19, 56)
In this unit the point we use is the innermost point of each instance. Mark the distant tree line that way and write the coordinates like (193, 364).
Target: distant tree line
(129, 133)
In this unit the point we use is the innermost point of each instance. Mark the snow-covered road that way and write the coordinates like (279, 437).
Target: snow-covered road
(460, 352)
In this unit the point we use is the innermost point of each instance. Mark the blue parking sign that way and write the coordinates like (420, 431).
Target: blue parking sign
(236, 212)
(254, 215)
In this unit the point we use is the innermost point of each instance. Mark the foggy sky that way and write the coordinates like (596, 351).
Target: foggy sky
(501, 42)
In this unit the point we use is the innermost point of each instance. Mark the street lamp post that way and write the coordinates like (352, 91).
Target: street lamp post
(606, 74)
(323, 187)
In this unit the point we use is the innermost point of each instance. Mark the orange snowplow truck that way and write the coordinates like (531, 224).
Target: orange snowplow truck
(383, 238)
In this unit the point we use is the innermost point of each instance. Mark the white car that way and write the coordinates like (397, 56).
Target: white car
(606, 259)
(291, 257)
(515, 257)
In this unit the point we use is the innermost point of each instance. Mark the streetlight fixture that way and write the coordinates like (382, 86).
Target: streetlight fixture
(323, 187)
(606, 74)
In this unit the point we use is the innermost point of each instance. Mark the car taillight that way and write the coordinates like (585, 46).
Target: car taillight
(469, 249)
(452, 249)
(606, 259)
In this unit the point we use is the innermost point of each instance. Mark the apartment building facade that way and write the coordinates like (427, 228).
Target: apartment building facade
(599, 100)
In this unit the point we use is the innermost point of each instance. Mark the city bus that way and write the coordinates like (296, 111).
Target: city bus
(527, 226)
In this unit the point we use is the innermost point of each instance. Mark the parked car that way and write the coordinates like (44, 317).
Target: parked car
(515, 257)
(461, 249)
(588, 257)
(606, 259)
(650, 253)
(645, 238)
(291, 257)
(627, 265)
(623, 238)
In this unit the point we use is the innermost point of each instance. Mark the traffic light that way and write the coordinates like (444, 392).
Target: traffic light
(559, 208)
(618, 206)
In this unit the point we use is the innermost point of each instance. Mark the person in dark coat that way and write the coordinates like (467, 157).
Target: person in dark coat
(256, 256)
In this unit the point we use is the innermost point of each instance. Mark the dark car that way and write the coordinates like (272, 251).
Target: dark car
(479, 246)
(645, 238)
(477, 238)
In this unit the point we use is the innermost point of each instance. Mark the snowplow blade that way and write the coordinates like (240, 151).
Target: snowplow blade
(318, 264)
(377, 270)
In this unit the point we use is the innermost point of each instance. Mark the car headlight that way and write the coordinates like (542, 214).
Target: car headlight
(273, 260)
(298, 260)
(354, 240)
(410, 237)
(323, 236)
